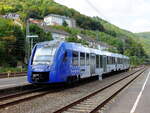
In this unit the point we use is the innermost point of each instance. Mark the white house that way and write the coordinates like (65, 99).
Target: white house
(53, 19)
(93, 43)
(11, 16)
(56, 34)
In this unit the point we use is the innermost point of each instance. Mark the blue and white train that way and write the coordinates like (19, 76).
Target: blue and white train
(54, 62)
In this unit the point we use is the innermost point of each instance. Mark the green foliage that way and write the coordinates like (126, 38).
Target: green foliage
(124, 41)
(11, 69)
(42, 36)
(75, 39)
(2, 11)
(136, 61)
(89, 24)
(123, 44)
(145, 39)
(65, 23)
(12, 43)
(72, 31)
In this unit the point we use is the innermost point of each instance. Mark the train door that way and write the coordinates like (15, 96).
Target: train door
(92, 63)
(105, 63)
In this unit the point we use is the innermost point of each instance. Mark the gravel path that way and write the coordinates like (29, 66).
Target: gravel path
(56, 100)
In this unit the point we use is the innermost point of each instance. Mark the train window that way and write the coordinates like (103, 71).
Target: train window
(97, 61)
(113, 60)
(65, 57)
(110, 60)
(82, 59)
(87, 59)
(101, 61)
(118, 60)
(75, 58)
(107, 60)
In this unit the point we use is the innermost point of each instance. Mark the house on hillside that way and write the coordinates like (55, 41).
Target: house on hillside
(35, 21)
(53, 19)
(93, 43)
(56, 34)
(13, 16)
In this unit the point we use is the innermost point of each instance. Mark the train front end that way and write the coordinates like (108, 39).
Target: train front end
(40, 65)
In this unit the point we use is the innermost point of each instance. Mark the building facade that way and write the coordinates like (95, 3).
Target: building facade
(56, 34)
(13, 16)
(53, 19)
(93, 43)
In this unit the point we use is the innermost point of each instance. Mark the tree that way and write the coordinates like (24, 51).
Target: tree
(43, 36)
(65, 23)
(2, 11)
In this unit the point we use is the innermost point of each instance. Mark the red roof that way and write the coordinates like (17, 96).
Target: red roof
(35, 21)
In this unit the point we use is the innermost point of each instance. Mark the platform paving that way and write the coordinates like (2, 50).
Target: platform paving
(134, 99)
(13, 82)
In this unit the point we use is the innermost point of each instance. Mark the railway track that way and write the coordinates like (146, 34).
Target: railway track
(17, 74)
(16, 98)
(95, 101)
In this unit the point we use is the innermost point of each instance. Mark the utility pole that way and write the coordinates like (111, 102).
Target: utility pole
(97, 38)
(29, 41)
(123, 41)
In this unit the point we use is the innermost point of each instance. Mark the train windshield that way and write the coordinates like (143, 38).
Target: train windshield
(44, 55)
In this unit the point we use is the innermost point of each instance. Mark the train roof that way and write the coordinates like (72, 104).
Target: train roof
(81, 48)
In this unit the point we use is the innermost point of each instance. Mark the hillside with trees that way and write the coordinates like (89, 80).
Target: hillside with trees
(144, 37)
(12, 36)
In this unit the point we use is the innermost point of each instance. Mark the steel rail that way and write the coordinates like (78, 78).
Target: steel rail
(65, 108)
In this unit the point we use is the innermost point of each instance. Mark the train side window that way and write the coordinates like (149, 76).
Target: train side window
(97, 61)
(107, 60)
(110, 60)
(87, 59)
(75, 58)
(101, 61)
(118, 60)
(114, 60)
(82, 59)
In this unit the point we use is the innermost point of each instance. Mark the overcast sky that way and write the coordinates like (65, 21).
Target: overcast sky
(132, 15)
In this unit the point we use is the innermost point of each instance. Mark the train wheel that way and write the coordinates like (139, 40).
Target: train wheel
(71, 80)
(79, 78)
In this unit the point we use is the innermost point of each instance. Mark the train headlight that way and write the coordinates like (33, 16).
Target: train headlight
(35, 75)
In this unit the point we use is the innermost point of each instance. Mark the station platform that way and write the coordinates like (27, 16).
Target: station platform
(13, 82)
(134, 99)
